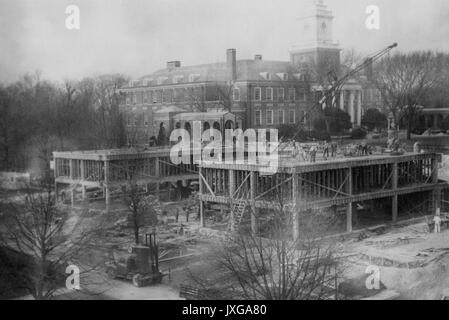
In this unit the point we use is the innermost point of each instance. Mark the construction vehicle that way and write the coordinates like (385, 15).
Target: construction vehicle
(140, 265)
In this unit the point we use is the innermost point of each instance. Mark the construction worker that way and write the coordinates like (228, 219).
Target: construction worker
(334, 149)
(416, 147)
(312, 152)
(326, 150)
(437, 221)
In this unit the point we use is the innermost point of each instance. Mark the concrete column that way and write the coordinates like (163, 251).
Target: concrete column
(107, 191)
(351, 107)
(349, 208)
(394, 186)
(394, 208)
(231, 183)
(359, 108)
(201, 191)
(295, 211)
(83, 176)
(254, 217)
(157, 174)
(342, 100)
(434, 170)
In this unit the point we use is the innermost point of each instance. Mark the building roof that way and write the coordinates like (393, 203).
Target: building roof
(247, 70)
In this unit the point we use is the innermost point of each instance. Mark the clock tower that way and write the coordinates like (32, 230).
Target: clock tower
(316, 45)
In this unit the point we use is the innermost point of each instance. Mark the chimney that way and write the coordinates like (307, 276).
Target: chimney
(258, 57)
(231, 64)
(173, 64)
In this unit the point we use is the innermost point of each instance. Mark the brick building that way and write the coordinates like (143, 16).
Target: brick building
(262, 93)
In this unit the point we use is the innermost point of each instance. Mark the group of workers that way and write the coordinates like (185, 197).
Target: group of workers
(329, 149)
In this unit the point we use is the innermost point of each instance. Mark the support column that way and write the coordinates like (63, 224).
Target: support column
(106, 179)
(359, 108)
(201, 191)
(349, 209)
(83, 176)
(254, 217)
(295, 200)
(351, 107)
(434, 170)
(72, 177)
(157, 169)
(394, 184)
(342, 100)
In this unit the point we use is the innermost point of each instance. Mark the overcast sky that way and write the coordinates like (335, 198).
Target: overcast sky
(137, 37)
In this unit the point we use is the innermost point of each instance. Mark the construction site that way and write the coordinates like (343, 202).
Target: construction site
(378, 207)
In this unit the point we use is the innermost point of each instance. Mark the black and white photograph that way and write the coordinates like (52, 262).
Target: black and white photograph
(222, 154)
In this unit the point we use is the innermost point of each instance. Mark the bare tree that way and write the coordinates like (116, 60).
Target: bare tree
(218, 95)
(143, 210)
(50, 237)
(404, 80)
(250, 267)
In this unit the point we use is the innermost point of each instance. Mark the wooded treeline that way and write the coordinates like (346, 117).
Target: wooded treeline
(38, 117)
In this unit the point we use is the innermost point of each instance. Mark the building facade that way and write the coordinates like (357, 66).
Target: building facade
(264, 94)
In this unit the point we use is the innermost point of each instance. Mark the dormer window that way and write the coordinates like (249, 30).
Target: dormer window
(178, 79)
(146, 82)
(194, 77)
(299, 76)
(265, 75)
(283, 76)
(161, 80)
(134, 83)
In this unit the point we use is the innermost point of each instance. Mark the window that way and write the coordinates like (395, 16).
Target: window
(292, 116)
(194, 77)
(291, 94)
(128, 98)
(258, 118)
(269, 93)
(145, 97)
(281, 117)
(281, 94)
(134, 97)
(283, 76)
(161, 80)
(128, 120)
(177, 79)
(236, 94)
(155, 94)
(136, 120)
(304, 96)
(257, 94)
(269, 116)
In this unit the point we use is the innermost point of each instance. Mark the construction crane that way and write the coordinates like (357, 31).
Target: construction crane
(338, 83)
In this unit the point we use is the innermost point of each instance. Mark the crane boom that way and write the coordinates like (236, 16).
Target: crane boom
(369, 60)
(338, 83)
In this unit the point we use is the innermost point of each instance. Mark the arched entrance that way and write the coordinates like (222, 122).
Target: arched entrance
(229, 124)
